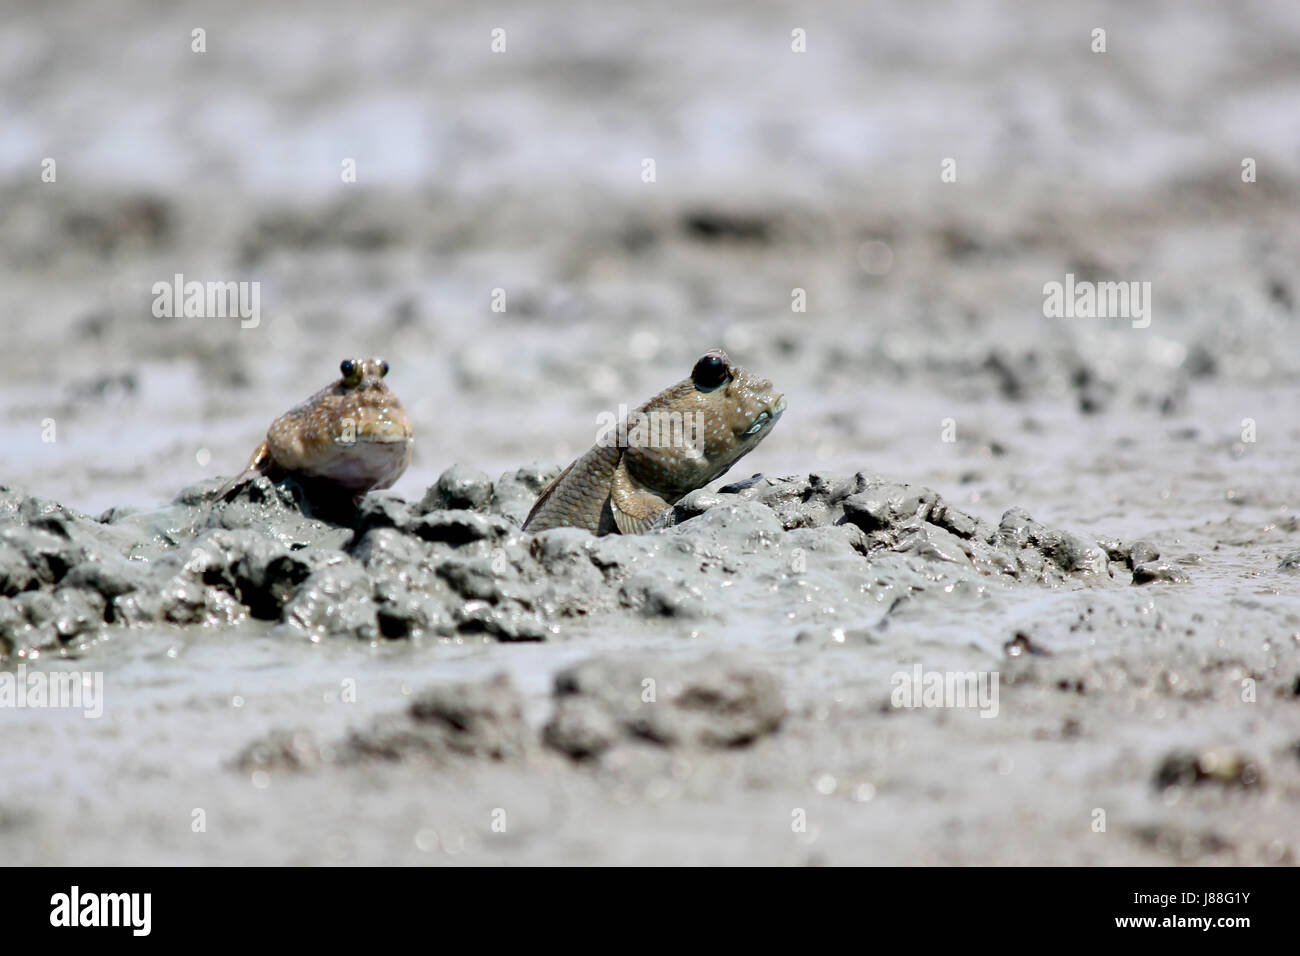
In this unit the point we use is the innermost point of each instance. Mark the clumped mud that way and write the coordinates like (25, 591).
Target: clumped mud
(457, 564)
(472, 720)
(600, 705)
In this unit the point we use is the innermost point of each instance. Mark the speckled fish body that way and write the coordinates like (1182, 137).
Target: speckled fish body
(580, 496)
(354, 433)
(626, 486)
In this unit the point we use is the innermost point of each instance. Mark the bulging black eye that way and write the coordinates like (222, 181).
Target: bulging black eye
(711, 370)
(347, 367)
(383, 368)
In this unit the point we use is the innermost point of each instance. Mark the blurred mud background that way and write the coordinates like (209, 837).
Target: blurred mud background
(775, 171)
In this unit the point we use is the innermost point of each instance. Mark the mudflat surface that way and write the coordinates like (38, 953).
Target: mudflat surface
(1101, 515)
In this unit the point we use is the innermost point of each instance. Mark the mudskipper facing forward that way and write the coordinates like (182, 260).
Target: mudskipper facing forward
(713, 418)
(353, 435)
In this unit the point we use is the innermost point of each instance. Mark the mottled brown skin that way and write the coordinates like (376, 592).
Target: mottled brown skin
(626, 486)
(353, 435)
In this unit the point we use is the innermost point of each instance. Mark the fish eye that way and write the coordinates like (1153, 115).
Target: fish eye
(347, 367)
(383, 368)
(711, 370)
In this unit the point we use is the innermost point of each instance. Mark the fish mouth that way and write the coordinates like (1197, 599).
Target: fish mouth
(394, 437)
(385, 439)
(766, 419)
(383, 430)
(775, 411)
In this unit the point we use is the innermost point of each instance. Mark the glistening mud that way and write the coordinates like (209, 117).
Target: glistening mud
(734, 626)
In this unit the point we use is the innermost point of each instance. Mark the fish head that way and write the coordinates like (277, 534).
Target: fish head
(354, 432)
(693, 432)
(360, 407)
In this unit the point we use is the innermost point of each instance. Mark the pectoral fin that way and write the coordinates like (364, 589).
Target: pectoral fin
(259, 464)
(635, 507)
(545, 496)
(260, 461)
